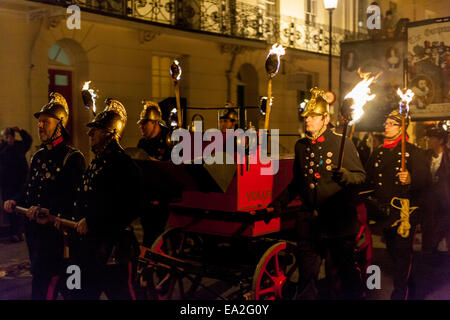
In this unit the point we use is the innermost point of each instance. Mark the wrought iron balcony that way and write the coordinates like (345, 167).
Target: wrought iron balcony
(223, 17)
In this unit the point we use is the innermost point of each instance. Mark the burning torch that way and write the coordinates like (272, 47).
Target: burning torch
(175, 72)
(89, 95)
(405, 98)
(352, 107)
(272, 66)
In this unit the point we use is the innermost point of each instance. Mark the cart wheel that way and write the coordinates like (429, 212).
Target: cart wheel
(273, 272)
(170, 283)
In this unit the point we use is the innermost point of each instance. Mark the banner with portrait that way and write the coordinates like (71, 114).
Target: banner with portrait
(383, 57)
(429, 68)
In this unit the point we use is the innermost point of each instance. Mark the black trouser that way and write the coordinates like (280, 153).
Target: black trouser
(344, 278)
(16, 225)
(45, 251)
(401, 251)
(115, 280)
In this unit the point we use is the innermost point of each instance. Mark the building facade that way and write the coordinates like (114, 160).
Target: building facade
(125, 47)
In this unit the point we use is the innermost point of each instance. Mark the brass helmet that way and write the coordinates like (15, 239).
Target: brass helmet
(151, 111)
(113, 119)
(56, 108)
(317, 105)
(396, 116)
(229, 114)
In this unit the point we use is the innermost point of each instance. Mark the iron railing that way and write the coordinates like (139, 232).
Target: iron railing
(223, 17)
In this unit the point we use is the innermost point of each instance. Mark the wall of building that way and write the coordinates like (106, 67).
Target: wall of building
(111, 53)
(417, 10)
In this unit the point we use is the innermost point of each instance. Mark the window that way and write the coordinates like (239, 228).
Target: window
(162, 82)
(310, 11)
(61, 80)
(56, 53)
(272, 13)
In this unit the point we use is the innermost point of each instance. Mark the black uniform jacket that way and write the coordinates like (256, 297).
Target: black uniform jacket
(14, 165)
(110, 194)
(157, 147)
(312, 181)
(382, 168)
(52, 180)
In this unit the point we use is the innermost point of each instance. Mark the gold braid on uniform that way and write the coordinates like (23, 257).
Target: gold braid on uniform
(403, 222)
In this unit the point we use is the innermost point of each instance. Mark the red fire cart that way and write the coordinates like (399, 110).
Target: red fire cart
(218, 231)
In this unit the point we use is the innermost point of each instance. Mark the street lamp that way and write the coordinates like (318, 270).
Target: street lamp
(330, 5)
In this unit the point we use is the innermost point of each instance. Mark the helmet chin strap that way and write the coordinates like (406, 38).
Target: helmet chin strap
(54, 135)
(322, 130)
(110, 138)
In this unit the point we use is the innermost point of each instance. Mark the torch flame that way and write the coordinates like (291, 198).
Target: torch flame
(278, 50)
(360, 95)
(273, 59)
(93, 94)
(175, 71)
(405, 100)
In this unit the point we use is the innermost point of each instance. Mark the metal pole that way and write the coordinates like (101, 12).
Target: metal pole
(330, 11)
(342, 147)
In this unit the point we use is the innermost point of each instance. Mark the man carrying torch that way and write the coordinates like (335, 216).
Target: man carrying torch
(328, 223)
(398, 175)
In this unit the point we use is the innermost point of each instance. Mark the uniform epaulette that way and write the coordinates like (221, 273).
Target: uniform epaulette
(69, 153)
(40, 150)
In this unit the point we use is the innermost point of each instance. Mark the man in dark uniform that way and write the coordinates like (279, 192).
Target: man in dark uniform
(392, 187)
(108, 201)
(328, 223)
(154, 132)
(13, 172)
(55, 171)
(156, 143)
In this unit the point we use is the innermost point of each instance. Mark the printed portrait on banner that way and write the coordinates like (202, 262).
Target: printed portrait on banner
(429, 68)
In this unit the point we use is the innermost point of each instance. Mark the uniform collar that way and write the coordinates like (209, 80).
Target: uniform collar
(390, 144)
(321, 138)
(54, 143)
(57, 141)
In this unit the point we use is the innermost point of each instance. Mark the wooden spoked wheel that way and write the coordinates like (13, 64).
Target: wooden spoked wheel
(173, 283)
(276, 267)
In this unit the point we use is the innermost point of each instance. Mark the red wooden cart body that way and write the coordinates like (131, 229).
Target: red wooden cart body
(249, 190)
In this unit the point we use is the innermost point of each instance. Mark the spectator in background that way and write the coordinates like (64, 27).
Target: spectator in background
(388, 25)
(362, 148)
(13, 172)
(436, 222)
